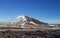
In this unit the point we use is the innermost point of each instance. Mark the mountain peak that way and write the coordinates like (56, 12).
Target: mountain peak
(22, 17)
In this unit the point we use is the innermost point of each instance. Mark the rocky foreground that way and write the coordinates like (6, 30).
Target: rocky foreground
(30, 34)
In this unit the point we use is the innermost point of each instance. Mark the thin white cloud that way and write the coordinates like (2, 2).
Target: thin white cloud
(53, 21)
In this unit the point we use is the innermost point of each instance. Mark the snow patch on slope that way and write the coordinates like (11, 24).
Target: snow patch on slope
(32, 22)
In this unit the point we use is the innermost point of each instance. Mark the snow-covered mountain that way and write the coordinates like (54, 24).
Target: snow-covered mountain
(22, 20)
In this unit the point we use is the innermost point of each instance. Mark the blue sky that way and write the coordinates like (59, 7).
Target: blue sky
(43, 10)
